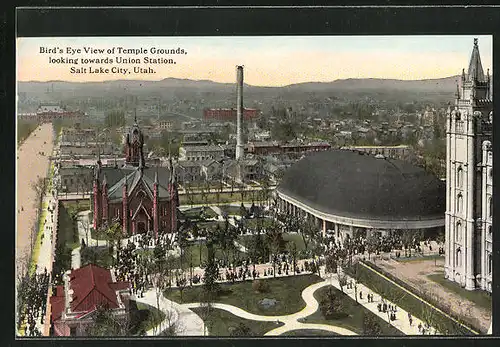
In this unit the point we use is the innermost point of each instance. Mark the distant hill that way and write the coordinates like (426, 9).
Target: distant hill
(447, 84)
(213, 92)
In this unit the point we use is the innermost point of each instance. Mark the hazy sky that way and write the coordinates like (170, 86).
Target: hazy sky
(268, 60)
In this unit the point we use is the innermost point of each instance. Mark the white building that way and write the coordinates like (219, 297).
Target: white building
(469, 180)
(200, 152)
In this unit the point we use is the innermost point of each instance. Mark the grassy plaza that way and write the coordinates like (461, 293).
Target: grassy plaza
(286, 291)
(223, 323)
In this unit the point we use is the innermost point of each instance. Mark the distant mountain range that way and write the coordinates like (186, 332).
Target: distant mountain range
(222, 94)
(447, 84)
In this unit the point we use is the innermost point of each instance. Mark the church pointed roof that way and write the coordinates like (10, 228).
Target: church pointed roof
(475, 72)
(146, 177)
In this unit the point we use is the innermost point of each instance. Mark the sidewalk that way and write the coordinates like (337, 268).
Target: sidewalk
(401, 323)
(186, 321)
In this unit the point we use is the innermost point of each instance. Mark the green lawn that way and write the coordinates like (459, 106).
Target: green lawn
(287, 291)
(354, 320)
(407, 302)
(231, 210)
(193, 254)
(309, 332)
(295, 238)
(255, 222)
(195, 213)
(223, 323)
(480, 298)
(38, 241)
(144, 317)
(98, 236)
(211, 224)
(24, 129)
(67, 233)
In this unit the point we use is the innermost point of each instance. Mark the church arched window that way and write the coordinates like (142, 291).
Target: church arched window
(460, 177)
(458, 232)
(459, 203)
(490, 264)
(490, 211)
(490, 230)
(458, 258)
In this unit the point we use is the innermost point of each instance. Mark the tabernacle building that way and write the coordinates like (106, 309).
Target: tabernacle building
(348, 192)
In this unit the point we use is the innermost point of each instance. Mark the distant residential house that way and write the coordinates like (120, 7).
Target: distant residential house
(251, 169)
(188, 171)
(211, 169)
(74, 304)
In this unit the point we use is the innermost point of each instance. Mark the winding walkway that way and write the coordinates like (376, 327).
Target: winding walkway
(187, 322)
(290, 321)
(190, 324)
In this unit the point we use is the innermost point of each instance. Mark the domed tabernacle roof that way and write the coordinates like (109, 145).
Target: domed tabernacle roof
(356, 185)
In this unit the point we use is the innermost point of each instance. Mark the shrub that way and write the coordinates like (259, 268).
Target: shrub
(241, 330)
(260, 286)
(332, 306)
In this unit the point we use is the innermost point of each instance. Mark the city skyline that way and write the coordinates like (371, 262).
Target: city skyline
(268, 60)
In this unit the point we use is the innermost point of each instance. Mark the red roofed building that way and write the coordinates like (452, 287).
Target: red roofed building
(83, 291)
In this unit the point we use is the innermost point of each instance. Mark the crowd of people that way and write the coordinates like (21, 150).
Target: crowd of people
(33, 293)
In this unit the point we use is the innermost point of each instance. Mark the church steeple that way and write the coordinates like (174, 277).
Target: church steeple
(475, 72)
(99, 163)
(134, 146)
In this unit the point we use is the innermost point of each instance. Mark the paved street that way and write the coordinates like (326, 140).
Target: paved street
(31, 165)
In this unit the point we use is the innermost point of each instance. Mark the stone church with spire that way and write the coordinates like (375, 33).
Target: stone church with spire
(140, 198)
(469, 180)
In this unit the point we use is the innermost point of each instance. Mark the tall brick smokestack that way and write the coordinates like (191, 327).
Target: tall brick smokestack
(239, 112)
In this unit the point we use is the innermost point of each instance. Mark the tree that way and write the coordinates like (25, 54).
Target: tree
(181, 281)
(292, 251)
(210, 286)
(115, 118)
(370, 325)
(276, 244)
(105, 323)
(332, 306)
(39, 187)
(372, 244)
(114, 233)
(306, 229)
(84, 222)
(205, 314)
